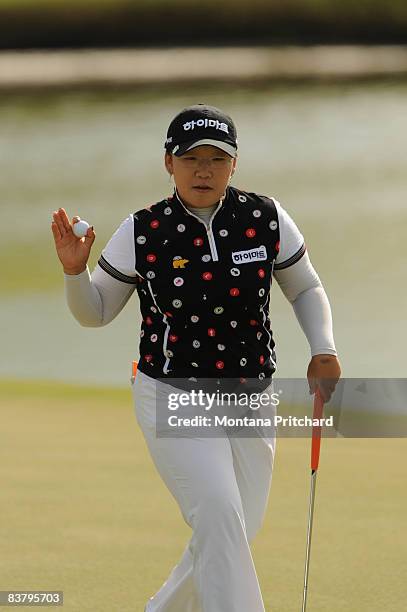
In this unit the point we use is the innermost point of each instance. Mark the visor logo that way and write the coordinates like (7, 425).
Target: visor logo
(211, 123)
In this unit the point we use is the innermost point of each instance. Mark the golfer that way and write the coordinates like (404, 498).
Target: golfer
(202, 261)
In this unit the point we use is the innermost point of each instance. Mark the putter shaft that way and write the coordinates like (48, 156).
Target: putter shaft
(309, 534)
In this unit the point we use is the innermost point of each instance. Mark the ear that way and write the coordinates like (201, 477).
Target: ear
(233, 166)
(168, 163)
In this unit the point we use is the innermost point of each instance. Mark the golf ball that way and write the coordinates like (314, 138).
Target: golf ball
(80, 228)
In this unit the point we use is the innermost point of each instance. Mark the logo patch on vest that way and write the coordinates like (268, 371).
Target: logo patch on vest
(258, 254)
(178, 262)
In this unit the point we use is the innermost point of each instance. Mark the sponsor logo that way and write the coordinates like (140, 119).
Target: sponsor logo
(206, 123)
(178, 262)
(257, 254)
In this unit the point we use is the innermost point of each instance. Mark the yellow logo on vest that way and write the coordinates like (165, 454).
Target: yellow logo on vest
(178, 262)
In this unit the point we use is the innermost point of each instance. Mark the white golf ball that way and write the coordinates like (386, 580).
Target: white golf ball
(80, 228)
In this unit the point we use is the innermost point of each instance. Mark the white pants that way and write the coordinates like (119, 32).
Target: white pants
(221, 486)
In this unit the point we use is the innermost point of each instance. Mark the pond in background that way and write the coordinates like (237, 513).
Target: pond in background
(334, 156)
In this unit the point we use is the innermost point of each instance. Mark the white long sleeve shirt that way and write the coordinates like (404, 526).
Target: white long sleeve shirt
(96, 299)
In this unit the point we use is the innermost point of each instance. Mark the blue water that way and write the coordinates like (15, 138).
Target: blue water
(334, 156)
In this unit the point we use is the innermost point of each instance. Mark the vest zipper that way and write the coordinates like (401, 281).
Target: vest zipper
(211, 239)
(212, 243)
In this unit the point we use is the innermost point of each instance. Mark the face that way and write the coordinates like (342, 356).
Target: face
(201, 174)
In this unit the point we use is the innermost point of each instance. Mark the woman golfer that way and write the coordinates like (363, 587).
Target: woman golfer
(202, 261)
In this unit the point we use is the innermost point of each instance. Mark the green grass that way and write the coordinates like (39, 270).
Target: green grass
(83, 510)
(44, 271)
(310, 5)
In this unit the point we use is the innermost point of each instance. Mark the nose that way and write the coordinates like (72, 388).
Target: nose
(204, 168)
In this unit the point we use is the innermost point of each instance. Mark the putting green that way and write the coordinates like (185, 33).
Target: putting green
(83, 510)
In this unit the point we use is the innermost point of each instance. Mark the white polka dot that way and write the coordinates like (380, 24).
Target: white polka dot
(150, 274)
(235, 271)
(233, 323)
(256, 213)
(223, 232)
(153, 338)
(242, 198)
(261, 375)
(181, 227)
(194, 364)
(243, 361)
(177, 303)
(142, 333)
(169, 353)
(141, 239)
(273, 225)
(262, 292)
(167, 210)
(178, 281)
(153, 309)
(206, 258)
(221, 347)
(194, 319)
(196, 344)
(218, 310)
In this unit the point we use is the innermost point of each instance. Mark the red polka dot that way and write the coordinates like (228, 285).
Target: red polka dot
(198, 241)
(253, 322)
(234, 291)
(148, 358)
(250, 232)
(220, 365)
(207, 276)
(261, 359)
(277, 246)
(151, 257)
(154, 223)
(243, 380)
(173, 337)
(211, 332)
(149, 321)
(261, 273)
(169, 314)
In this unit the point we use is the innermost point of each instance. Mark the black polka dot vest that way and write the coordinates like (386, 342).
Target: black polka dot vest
(205, 291)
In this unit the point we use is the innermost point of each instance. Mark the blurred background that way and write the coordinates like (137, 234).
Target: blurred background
(106, 23)
(318, 92)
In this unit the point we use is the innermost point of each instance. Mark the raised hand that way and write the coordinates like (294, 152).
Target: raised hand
(73, 252)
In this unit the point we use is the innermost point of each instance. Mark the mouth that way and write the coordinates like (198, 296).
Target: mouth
(202, 188)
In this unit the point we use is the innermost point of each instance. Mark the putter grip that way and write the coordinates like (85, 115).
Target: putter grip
(316, 430)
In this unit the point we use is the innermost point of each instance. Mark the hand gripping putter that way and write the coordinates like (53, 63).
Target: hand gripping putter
(315, 449)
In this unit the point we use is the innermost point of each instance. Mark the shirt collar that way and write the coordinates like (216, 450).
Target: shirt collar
(223, 201)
